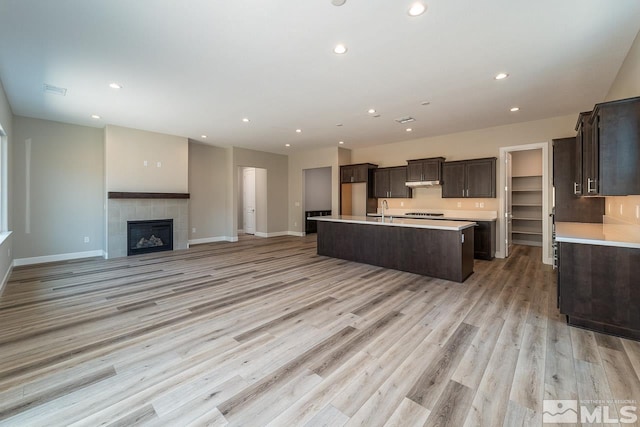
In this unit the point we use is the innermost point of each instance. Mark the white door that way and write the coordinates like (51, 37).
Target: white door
(249, 200)
(508, 215)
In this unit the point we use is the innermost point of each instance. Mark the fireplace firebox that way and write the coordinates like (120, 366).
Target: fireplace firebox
(149, 236)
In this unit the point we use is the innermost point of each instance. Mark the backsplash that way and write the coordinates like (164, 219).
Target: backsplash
(624, 208)
(431, 198)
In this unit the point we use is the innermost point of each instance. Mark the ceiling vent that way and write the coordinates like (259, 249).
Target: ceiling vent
(54, 90)
(404, 120)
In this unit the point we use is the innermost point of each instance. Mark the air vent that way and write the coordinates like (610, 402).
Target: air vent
(404, 120)
(54, 90)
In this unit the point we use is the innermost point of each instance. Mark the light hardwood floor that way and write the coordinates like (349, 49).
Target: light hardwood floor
(265, 332)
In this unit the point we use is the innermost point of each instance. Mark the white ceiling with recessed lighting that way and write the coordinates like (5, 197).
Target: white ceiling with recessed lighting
(199, 67)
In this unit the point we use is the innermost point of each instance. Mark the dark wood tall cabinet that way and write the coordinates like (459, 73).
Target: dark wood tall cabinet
(570, 207)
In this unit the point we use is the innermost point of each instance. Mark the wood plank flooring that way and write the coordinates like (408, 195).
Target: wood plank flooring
(265, 332)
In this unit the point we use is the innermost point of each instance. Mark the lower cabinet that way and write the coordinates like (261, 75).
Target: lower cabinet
(484, 240)
(598, 289)
(311, 226)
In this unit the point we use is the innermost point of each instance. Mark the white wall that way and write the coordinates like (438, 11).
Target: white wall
(61, 200)
(126, 150)
(6, 243)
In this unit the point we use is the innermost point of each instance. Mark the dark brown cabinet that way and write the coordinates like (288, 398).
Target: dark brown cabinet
(390, 183)
(425, 169)
(597, 288)
(484, 240)
(356, 173)
(569, 207)
(610, 161)
(583, 152)
(469, 178)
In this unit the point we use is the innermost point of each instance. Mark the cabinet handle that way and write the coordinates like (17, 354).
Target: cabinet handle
(575, 188)
(463, 192)
(467, 192)
(589, 189)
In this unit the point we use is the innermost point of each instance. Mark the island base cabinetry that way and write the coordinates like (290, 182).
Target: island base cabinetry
(598, 288)
(443, 254)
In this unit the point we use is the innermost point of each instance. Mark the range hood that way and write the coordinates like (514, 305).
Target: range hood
(421, 184)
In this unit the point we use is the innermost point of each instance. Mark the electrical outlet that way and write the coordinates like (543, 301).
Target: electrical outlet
(159, 164)
(193, 229)
(145, 163)
(297, 204)
(637, 211)
(86, 239)
(401, 204)
(477, 205)
(482, 204)
(621, 206)
(295, 224)
(459, 204)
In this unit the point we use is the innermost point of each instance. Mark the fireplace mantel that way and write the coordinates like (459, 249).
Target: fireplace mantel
(128, 195)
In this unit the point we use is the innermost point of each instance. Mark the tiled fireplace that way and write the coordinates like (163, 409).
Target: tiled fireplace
(125, 207)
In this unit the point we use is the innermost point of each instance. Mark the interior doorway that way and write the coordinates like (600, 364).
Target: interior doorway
(525, 181)
(249, 200)
(252, 201)
(316, 195)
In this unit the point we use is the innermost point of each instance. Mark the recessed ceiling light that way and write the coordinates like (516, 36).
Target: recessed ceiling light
(287, 145)
(409, 129)
(203, 136)
(298, 130)
(371, 111)
(95, 116)
(425, 103)
(246, 120)
(340, 49)
(513, 109)
(417, 9)
(340, 142)
(115, 86)
(501, 76)
(339, 124)
(338, 2)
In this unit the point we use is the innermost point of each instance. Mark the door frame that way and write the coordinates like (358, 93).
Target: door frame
(546, 197)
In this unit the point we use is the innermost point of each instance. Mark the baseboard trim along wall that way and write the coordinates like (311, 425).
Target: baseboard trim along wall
(212, 240)
(60, 257)
(5, 279)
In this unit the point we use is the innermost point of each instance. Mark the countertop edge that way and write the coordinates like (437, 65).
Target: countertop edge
(423, 223)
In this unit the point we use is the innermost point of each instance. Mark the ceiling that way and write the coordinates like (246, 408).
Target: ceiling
(198, 67)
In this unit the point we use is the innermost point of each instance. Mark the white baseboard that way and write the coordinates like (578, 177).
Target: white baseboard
(274, 234)
(5, 279)
(212, 240)
(58, 257)
(297, 233)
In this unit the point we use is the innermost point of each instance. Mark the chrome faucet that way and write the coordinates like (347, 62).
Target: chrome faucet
(384, 205)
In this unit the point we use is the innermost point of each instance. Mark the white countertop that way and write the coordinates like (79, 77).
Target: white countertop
(621, 235)
(446, 214)
(398, 222)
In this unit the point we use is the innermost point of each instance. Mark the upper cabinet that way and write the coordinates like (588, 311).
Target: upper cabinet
(469, 178)
(390, 183)
(568, 206)
(583, 152)
(610, 164)
(425, 169)
(356, 173)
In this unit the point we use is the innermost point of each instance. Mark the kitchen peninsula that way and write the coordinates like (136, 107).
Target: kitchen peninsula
(442, 249)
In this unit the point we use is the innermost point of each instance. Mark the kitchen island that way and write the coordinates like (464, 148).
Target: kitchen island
(442, 249)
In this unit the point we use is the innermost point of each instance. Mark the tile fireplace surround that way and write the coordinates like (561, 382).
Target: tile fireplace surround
(123, 207)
